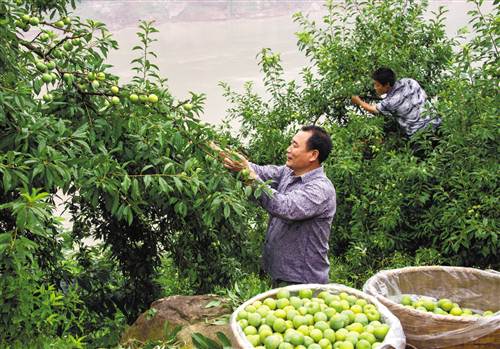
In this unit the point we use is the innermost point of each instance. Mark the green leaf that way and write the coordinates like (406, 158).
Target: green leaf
(227, 211)
(37, 86)
(163, 185)
(125, 183)
(248, 191)
(147, 181)
(147, 167)
(202, 342)
(214, 303)
(7, 180)
(136, 194)
(181, 208)
(226, 343)
(220, 321)
(178, 183)
(5, 238)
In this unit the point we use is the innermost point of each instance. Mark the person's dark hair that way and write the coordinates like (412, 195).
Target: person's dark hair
(320, 140)
(384, 76)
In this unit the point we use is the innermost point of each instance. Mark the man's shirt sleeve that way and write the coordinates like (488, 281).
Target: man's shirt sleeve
(386, 106)
(296, 205)
(268, 172)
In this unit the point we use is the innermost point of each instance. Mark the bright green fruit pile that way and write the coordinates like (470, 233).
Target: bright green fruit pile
(301, 321)
(443, 306)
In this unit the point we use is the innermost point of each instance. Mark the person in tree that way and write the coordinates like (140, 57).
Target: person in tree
(405, 99)
(301, 202)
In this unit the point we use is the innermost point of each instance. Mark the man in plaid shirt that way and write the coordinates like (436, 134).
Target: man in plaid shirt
(405, 99)
(301, 202)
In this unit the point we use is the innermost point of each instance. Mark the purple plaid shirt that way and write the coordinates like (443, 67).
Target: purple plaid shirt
(301, 211)
(407, 101)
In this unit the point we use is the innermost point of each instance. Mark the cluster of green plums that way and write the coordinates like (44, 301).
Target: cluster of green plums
(95, 79)
(26, 21)
(443, 306)
(303, 320)
(50, 71)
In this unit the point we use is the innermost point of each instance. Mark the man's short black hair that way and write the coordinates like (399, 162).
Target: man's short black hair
(384, 76)
(320, 140)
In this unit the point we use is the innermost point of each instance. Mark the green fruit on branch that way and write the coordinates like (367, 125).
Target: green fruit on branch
(115, 89)
(68, 46)
(187, 106)
(26, 17)
(51, 65)
(133, 98)
(115, 100)
(67, 20)
(68, 77)
(95, 84)
(44, 37)
(48, 97)
(34, 21)
(152, 98)
(101, 76)
(59, 24)
(57, 54)
(41, 67)
(91, 76)
(143, 98)
(245, 173)
(47, 78)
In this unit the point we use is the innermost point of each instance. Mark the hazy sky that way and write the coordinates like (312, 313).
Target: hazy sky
(204, 42)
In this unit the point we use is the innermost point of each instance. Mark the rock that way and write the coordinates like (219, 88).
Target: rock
(190, 312)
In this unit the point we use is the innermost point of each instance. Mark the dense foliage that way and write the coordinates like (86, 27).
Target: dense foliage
(133, 163)
(399, 202)
(133, 166)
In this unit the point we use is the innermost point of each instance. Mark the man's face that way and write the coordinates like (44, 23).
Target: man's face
(381, 89)
(298, 157)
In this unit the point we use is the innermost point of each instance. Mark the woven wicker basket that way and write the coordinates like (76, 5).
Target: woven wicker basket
(471, 288)
(395, 338)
